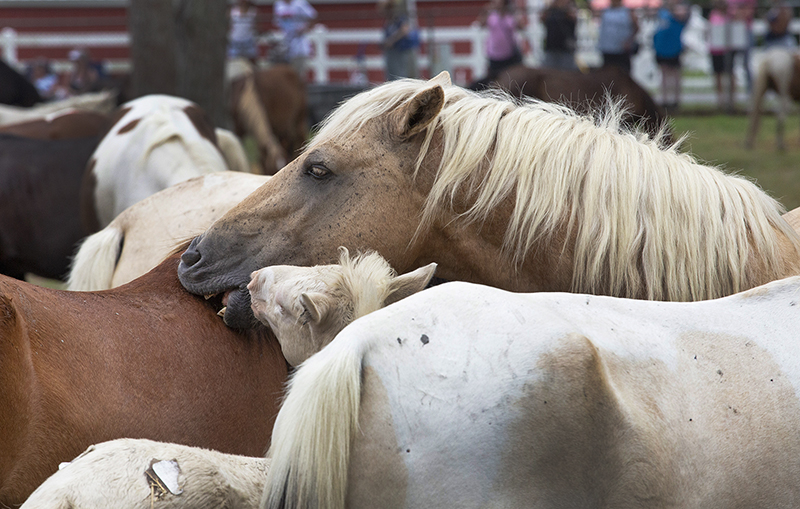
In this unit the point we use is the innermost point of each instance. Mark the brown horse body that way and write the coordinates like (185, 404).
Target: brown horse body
(72, 124)
(146, 360)
(585, 92)
(282, 96)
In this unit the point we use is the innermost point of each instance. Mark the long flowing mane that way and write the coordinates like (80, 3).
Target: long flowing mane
(647, 221)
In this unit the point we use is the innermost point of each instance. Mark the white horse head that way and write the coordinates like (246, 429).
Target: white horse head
(307, 306)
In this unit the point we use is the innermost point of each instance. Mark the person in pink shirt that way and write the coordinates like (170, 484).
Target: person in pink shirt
(502, 20)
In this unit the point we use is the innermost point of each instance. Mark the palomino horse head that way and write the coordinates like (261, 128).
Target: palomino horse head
(306, 307)
(524, 196)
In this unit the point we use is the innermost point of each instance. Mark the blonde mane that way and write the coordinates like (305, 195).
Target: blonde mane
(647, 221)
(362, 285)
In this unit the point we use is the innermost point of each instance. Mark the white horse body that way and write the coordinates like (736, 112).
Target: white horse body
(186, 477)
(476, 397)
(154, 145)
(145, 233)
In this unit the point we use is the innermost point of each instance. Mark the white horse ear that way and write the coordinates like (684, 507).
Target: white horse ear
(410, 283)
(416, 114)
(315, 304)
(443, 79)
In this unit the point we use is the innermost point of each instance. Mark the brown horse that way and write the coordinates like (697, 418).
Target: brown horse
(40, 224)
(524, 197)
(271, 106)
(61, 126)
(146, 360)
(586, 92)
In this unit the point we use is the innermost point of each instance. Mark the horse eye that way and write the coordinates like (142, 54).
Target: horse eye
(317, 171)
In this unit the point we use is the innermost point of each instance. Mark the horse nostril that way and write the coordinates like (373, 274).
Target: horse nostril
(192, 255)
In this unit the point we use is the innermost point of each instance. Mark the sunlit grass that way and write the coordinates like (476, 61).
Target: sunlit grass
(719, 139)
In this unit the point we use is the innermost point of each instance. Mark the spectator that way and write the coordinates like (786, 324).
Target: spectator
(721, 54)
(86, 75)
(242, 34)
(617, 38)
(559, 20)
(741, 13)
(778, 18)
(400, 40)
(294, 17)
(46, 81)
(672, 18)
(502, 50)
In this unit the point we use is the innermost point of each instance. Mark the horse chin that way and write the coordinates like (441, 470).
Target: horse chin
(238, 314)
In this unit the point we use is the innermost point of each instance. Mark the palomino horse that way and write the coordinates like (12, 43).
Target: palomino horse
(148, 231)
(525, 197)
(307, 307)
(469, 396)
(40, 222)
(146, 360)
(61, 125)
(587, 92)
(271, 106)
(155, 141)
(779, 70)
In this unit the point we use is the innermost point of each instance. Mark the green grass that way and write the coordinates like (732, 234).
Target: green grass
(719, 140)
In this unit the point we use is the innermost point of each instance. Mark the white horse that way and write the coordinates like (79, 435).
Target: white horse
(470, 396)
(157, 141)
(779, 71)
(308, 306)
(148, 231)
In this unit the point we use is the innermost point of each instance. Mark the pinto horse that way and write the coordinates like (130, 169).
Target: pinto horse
(524, 197)
(154, 142)
(469, 396)
(146, 360)
(60, 125)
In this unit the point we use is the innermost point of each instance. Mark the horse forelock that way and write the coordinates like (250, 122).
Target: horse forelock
(647, 220)
(365, 277)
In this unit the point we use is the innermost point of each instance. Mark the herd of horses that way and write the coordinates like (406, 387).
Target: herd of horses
(473, 393)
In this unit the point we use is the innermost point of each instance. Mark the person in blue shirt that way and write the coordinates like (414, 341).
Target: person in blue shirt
(672, 19)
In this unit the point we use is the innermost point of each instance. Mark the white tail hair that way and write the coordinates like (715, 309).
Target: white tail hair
(94, 263)
(311, 439)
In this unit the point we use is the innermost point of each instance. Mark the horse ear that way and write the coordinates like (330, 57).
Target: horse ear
(410, 283)
(420, 111)
(443, 79)
(315, 304)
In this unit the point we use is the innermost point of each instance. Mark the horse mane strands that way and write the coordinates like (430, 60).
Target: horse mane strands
(366, 277)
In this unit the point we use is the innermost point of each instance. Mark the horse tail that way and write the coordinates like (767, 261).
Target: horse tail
(253, 115)
(311, 439)
(94, 264)
(232, 151)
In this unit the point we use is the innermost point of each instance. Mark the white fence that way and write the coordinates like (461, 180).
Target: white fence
(439, 57)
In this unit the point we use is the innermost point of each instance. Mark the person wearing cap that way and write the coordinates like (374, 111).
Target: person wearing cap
(85, 76)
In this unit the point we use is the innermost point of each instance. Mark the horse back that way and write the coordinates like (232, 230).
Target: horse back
(283, 94)
(75, 124)
(146, 360)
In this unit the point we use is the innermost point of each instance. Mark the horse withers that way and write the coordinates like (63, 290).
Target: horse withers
(525, 197)
(145, 360)
(469, 396)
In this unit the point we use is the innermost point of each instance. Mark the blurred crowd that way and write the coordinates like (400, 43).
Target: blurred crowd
(85, 75)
